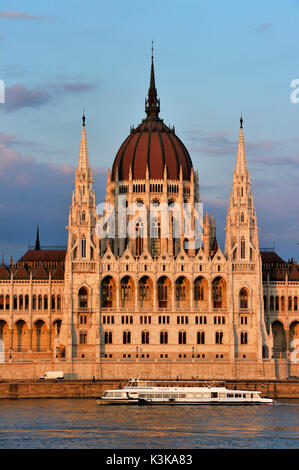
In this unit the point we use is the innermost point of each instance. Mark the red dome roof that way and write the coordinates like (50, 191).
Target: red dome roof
(152, 145)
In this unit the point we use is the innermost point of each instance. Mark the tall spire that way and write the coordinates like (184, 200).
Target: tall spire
(83, 156)
(37, 243)
(241, 164)
(152, 104)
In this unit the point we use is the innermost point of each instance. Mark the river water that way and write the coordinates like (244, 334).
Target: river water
(82, 424)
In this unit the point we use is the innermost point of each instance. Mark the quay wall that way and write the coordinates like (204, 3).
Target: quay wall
(92, 389)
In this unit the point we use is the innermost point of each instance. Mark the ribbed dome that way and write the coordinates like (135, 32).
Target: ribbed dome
(152, 145)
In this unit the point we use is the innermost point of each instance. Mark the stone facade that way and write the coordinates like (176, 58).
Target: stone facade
(151, 300)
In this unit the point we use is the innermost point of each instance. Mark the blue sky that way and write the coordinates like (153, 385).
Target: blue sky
(213, 60)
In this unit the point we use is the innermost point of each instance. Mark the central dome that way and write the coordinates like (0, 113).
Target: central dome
(151, 147)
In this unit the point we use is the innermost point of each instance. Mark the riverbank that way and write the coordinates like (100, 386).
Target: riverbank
(14, 389)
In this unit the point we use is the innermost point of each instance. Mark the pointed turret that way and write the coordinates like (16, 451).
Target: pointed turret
(152, 104)
(83, 155)
(241, 239)
(241, 164)
(37, 243)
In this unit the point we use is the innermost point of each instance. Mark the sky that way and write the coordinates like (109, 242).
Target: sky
(213, 61)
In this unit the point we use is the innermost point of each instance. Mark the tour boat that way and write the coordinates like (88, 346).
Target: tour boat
(148, 392)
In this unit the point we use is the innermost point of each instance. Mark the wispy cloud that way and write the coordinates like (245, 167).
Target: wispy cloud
(18, 96)
(13, 15)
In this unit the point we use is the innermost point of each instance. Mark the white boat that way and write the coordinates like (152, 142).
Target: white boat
(148, 392)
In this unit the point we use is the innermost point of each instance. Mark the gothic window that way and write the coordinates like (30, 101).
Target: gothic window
(83, 247)
(1, 302)
(163, 337)
(295, 303)
(290, 303)
(126, 337)
(243, 298)
(40, 302)
(244, 337)
(7, 302)
(182, 337)
(145, 337)
(83, 297)
(34, 302)
(242, 248)
(45, 302)
(26, 302)
(83, 337)
(242, 217)
(58, 302)
(155, 238)
(200, 337)
(108, 337)
(20, 301)
(15, 302)
(271, 302)
(219, 337)
(217, 294)
(282, 304)
(139, 239)
(277, 303)
(83, 215)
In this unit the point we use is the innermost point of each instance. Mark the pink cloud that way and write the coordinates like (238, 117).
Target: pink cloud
(12, 15)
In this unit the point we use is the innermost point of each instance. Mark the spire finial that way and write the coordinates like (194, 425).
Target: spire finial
(83, 117)
(37, 243)
(152, 104)
(241, 122)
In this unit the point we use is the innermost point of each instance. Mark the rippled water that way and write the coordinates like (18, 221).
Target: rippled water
(82, 424)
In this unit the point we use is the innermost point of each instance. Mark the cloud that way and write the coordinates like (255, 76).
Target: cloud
(13, 15)
(18, 96)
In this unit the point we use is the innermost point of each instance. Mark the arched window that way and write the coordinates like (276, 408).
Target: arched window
(242, 248)
(20, 301)
(45, 302)
(244, 337)
(33, 302)
(155, 238)
(163, 337)
(53, 302)
(242, 217)
(83, 247)
(243, 298)
(295, 303)
(58, 302)
(182, 337)
(26, 302)
(200, 337)
(145, 337)
(83, 215)
(83, 297)
(7, 302)
(139, 239)
(219, 337)
(40, 301)
(108, 337)
(282, 303)
(126, 337)
(83, 337)
(271, 303)
(290, 303)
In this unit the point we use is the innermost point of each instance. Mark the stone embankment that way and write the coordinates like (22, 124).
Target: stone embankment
(93, 389)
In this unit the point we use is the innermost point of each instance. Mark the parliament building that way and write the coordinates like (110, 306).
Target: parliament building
(143, 288)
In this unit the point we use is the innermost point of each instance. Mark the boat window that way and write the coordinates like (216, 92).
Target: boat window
(214, 395)
(158, 395)
(222, 395)
(230, 395)
(118, 394)
(190, 395)
(173, 395)
(165, 395)
(142, 395)
(105, 394)
(207, 395)
(244, 395)
(182, 395)
(149, 395)
(238, 395)
(255, 395)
